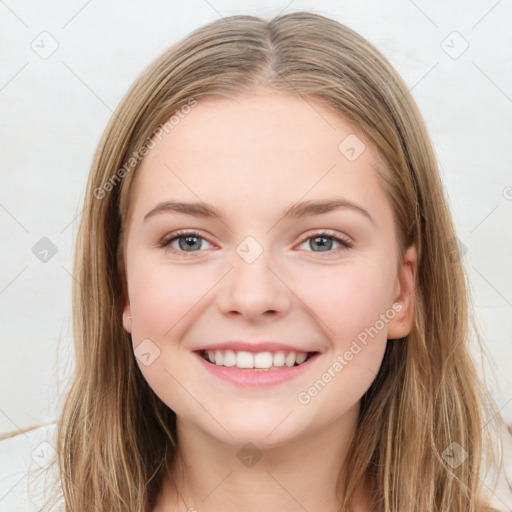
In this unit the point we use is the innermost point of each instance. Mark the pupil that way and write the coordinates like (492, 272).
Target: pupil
(191, 241)
(323, 246)
(187, 243)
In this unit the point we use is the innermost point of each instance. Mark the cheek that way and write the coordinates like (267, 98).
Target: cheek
(345, 299)
(348, 303)
(161, 295)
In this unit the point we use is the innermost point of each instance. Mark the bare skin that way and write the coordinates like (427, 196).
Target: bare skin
(252, 157)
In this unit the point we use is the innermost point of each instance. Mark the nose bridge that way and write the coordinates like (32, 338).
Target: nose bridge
(252, 287)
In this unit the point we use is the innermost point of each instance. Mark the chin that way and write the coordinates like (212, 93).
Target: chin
(264, 432)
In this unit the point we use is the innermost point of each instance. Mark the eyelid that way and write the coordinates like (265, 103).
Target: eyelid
(345, 241)
(168, 239)
(327, 232)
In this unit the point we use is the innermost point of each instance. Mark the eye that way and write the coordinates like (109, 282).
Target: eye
(324, 242)
(191, 242)
(188, 242)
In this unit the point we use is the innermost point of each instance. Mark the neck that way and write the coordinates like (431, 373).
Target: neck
(209, 475)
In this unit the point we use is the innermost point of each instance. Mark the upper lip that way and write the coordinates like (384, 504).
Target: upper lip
(253, 346)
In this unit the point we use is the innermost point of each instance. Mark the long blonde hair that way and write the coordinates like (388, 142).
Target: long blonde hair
(115, 433)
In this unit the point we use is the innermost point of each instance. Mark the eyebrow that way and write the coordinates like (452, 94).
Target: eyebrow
(295, 211)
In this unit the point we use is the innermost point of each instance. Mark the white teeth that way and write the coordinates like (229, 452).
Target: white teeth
(229, 358)
(259, 360)
(290, 359)
(263, 360)
(301, 358)
(279, 359)
(243, 360)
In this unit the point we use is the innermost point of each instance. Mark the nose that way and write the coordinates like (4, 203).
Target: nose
(254, 290)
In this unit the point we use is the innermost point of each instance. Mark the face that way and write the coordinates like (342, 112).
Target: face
(252, 284)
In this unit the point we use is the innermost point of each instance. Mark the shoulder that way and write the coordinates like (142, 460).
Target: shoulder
(28, 469)
(498, 483)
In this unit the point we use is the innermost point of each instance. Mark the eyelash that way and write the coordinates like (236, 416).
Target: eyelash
(165, 243)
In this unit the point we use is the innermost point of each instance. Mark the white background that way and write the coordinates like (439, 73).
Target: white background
(54, 110)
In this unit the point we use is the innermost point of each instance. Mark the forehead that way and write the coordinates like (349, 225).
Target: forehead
(255, 151)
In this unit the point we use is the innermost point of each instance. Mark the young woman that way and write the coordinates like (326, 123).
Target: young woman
(269, 310)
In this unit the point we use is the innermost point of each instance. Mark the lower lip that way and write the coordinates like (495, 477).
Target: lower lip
(248, 377)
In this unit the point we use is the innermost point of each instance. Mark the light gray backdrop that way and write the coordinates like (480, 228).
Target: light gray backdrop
(64, 67)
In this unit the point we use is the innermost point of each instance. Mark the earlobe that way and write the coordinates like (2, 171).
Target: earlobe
(127, 318)
(401, 324)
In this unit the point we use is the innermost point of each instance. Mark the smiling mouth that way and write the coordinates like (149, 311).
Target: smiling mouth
(262, 361)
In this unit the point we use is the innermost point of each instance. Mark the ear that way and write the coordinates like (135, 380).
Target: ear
(127, 317)
(401, 324)
(127, 314)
